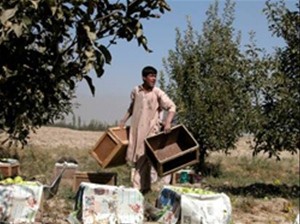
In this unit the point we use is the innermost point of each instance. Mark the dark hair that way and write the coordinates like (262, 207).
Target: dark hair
(148, 70)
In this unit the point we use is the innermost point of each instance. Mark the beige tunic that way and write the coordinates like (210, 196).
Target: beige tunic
(145, 110)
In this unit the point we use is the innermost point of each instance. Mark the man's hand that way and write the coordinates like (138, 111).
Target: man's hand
(124, 120)
(167, 127)
(122, 124)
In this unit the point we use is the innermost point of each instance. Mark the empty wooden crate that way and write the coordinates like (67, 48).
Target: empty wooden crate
(109, 178)
(172, 151)
(111, 148)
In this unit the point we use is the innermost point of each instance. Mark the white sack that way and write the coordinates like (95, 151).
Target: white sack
(205, 209)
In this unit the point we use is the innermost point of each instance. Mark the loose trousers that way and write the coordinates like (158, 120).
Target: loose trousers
(144, 174)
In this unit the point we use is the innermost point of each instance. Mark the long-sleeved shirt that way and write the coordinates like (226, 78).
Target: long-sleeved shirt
(145, 110)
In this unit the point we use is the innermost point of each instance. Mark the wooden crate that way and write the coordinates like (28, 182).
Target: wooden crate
(173, 151)
(111, 148)
(11, 168)
(69, 172)
(109, 178)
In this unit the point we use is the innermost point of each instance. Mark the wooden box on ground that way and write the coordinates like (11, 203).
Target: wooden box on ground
(185, 176)
(109, 178)
(173, 151)
(9, 168)
(69, 172)
(110, 150)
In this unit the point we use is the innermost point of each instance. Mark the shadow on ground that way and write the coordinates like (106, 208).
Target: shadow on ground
(261, 190)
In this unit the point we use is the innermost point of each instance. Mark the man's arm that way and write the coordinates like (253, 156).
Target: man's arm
(124, 120)
(128, 112)
(168, 121)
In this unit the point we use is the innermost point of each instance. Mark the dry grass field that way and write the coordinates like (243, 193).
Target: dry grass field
(261, 190)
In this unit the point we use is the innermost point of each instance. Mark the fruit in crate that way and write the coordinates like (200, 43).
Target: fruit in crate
(17, 180)
(7, 181)
(190, 190)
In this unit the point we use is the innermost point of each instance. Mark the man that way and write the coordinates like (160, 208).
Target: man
(147, 104)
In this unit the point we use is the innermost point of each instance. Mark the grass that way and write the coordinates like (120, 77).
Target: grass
(251, 181)
(247, 170)
(248, 181)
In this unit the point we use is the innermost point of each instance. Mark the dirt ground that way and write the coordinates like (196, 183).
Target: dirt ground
(271, 211)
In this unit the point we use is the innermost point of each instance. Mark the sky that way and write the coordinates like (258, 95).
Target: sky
(111, 98)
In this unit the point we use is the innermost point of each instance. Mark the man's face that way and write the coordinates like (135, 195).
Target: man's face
(150, 80)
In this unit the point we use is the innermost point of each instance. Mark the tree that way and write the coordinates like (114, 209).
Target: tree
(223, 93)
(79, 122)
(74, 121)
(205, 80)
(47, 46)
(278, 126)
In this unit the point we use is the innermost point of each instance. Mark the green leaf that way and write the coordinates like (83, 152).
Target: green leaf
(7, 14)
(99, 70)
(90, 83)
(106, 54)
(91, 35)
(139, 33)
(35, 3)
(17, 28)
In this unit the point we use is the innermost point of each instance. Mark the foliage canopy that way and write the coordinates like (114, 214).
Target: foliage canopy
(47, 46)
(279, 127)
(205, 80)
(223, 92)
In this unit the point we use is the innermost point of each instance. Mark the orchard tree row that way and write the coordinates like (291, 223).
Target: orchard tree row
(78, 124)
(224, 90)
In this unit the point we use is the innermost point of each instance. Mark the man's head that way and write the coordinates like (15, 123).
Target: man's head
(149, 77)
(148, 70)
